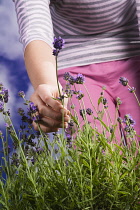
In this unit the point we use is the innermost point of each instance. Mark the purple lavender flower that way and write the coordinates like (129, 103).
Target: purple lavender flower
(21, 94)
(32, 108)
(111, 130)
(89, 111)
(71, 123)
(22, 127)
(68, 86)
(15, 162)
(66, 76)
(31, 142)
(4, 94)
(1, 106)
(8, 125)
(80, 79)
(128, 128)
(69, 140)
(124, 81)
(132, 89)
(56, 52)
(58, 43)
(36, 118)
(29, 121)
(39, 150)
(129, 120)
(104, 101)
(80, 95)
(68, 136)
(21, 111)
(24, 118)
(7, 113)
(71, 80)
(61, 98)
(118, 100)
(69, 93)
(82, 112)
(33, 161)
(75, 92)
(119, 119)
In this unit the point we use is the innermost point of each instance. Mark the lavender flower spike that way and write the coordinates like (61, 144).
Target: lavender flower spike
(129, 120)
(82, 112)
(80, 95)
(119, 119)
(104, 101)
(58, 44)
(132, 89)
(1, 106)
(80, 79)
(3, 94)
(124, 81)
(21, 94)
(55, 52)
(32, 109)
(66, 76)
(89, 111)
(71, 80)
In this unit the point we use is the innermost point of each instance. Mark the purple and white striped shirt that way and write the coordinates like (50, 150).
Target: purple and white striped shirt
(94, 30)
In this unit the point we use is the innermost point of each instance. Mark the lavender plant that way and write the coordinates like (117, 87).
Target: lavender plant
(87, 173)
(79, 170)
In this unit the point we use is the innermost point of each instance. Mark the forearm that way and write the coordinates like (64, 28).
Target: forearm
(40, 63)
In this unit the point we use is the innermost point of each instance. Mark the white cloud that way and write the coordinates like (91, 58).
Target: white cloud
(10, 48)
(9, 38)
(29, 91)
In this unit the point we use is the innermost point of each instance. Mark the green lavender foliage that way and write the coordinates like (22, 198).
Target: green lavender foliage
(92, 173)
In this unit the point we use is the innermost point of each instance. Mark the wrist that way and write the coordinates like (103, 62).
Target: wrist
(44, 73)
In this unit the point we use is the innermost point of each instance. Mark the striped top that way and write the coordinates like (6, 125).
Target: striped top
(94, 30)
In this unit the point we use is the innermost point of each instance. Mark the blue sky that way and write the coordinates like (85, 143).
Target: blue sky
(12, 69)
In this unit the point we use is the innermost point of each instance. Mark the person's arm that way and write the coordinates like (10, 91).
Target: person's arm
(40, 63)
(36, 35)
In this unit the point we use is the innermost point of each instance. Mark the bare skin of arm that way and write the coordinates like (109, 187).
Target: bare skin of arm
(40, 65)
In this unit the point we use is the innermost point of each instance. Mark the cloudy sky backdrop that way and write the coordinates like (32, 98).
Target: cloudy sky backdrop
(12, 70)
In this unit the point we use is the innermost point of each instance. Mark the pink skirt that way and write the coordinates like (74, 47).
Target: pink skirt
(108, 74)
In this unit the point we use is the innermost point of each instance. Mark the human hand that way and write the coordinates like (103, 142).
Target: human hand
(50, 110)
